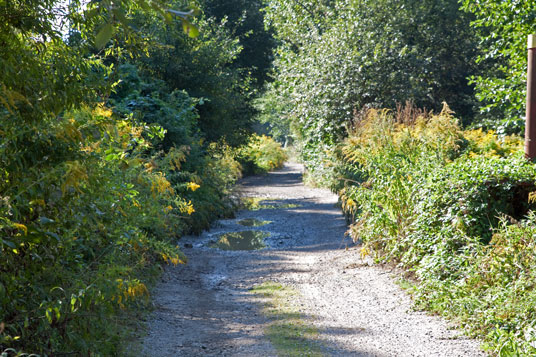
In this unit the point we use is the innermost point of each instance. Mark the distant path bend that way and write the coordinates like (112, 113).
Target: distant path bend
(205, 308)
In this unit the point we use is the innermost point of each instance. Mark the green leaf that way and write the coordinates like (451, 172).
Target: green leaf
(48, 314)
(105, 34)
(120, 15)
(8, 243)
(190, 29)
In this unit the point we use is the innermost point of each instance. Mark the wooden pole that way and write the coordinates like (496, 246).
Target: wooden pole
(530, 121)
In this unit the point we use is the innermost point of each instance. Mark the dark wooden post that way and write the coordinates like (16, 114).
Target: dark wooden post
(530, 121)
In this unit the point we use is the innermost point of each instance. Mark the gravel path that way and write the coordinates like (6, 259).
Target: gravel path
(205, 308)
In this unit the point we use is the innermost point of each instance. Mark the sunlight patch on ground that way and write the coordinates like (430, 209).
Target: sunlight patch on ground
(258, 203)
(253, 222)
(289, 332)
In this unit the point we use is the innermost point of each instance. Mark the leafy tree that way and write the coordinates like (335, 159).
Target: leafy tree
(502, 28)
(203, 67)
(339, 56)
(245, 21)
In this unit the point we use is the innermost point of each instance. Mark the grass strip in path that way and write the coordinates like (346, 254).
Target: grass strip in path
(289, 332)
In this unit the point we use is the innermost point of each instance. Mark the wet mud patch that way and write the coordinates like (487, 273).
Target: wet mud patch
(244, 240)
(260, 203)
(253, 222)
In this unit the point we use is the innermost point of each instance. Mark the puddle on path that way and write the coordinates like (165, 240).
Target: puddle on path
(258, 203)
(253, 222)
(245, 240)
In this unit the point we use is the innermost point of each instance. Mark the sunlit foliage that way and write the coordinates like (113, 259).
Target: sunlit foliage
(107, 157)
(454, 208)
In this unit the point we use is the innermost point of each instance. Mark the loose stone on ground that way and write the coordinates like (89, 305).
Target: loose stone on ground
(208, 307)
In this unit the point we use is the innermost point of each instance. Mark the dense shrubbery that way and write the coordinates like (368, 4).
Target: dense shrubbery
(261, 155)
(105, 163)
(79, 225)
(450, 206)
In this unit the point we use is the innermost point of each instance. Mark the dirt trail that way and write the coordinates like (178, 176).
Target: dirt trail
(206, 308)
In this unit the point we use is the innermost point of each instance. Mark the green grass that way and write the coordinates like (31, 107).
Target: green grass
(289, 332)
(405, 284)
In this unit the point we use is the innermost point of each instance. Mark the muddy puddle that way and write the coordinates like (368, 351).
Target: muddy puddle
(253, 222)
(257, 203)
(245, 240)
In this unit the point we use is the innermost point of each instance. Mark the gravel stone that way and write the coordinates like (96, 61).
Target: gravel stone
(205, 308)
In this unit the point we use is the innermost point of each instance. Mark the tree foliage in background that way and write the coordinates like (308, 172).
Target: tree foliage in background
(503, 27)
(204, 68)
(245, 21)
(336, 57)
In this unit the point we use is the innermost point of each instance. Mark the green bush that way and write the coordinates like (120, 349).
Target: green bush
(260, 155)
(454, 208)
(81, 229)
(216, 174)
(204, 172)
(493, 293)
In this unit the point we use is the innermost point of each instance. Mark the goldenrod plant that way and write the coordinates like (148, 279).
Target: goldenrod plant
(453, 207)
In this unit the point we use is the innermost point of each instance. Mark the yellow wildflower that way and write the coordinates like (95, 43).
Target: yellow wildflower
(350, 203)
(21, 227)
(192, 186)
(190, 209)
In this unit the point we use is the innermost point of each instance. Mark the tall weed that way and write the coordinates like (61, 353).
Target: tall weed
(260, 155)
(454, 207)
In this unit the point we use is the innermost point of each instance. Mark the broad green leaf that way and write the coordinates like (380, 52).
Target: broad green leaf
(120, 14)
(190, 29)
(105, 34)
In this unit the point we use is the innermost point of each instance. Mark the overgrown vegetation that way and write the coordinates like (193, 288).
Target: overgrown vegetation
(107, 157)
(261, 154)
(125, 123)
(335, 57)
(450, 206)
